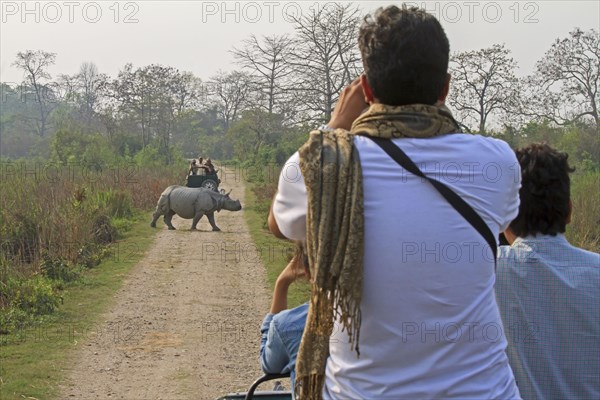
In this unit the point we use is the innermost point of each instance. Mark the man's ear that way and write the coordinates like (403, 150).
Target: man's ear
(569, 213)
(445, 90)
(369, 98)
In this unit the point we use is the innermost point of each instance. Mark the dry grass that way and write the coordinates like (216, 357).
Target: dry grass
(56, 211)
(584, 229)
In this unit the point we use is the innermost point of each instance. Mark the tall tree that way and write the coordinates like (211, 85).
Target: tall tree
(82, 94)
(231, 92)
(564, 87)
(483, 85)
(186, 89)
(153, 96)
(268, 60)
(325, 56)
(35, 68)
(90, 85)
(254, 130)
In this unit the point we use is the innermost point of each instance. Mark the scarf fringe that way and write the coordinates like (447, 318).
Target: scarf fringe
(310, 387)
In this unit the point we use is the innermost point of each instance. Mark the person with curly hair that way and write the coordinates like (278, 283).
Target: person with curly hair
(548, 291)
(402, 302)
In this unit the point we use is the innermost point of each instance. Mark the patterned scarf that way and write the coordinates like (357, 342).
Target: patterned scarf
(335, 227)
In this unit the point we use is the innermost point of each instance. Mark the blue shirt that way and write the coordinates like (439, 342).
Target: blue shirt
(281, 334)
(549, 297)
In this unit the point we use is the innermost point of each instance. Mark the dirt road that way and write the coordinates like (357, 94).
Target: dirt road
(186, 321)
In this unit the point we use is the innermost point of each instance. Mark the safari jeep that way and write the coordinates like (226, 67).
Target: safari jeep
(204, 180)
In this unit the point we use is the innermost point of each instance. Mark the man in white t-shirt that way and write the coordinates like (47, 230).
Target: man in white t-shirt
(429, 322)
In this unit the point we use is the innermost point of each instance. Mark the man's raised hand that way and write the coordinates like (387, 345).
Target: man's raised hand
(349, 106)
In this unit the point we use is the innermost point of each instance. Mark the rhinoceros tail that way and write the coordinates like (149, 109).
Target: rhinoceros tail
(169, 199)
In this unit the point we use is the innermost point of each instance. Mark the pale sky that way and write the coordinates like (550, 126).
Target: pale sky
(196, 35)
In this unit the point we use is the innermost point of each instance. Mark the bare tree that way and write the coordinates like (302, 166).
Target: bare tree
(186, 90)
(90, 85)
(268, 60)
(564, 87)
(483, 85)
(231, 91)
(83, 91)
(35, 68)
(325, 56)
(128, 95)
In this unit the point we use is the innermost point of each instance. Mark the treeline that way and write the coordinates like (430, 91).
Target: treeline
(283, 86)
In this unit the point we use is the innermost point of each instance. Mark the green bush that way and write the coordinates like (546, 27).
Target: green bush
(122, 225)
(35, 296)
(72, 146)
(91, 254)
(13, 319)
(28, 300)
(116, 203)
(58, 269)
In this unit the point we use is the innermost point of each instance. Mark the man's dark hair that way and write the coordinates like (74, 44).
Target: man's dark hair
(405, 55)
(545, 191)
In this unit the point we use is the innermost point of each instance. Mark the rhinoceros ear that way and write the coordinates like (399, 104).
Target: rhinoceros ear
(227, 194)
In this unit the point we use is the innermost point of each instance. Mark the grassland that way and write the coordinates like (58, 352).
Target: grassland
(33, 359)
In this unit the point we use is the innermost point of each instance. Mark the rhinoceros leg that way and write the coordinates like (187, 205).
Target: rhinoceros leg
(161, 209)
(196, 219)
(168, 216)
(211, 219)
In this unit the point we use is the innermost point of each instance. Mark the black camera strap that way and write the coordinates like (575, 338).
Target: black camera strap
(455, 200)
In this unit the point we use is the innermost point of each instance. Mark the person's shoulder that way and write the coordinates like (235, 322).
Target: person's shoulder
(586, 257)
(290, 172)
(492, 145)
(294, 159)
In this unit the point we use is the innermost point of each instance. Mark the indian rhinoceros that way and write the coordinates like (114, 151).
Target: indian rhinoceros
(193, 203)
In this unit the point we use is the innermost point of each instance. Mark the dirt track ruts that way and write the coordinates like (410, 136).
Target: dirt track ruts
(185, 324)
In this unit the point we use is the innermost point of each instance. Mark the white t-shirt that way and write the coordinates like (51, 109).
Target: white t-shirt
(430, 323)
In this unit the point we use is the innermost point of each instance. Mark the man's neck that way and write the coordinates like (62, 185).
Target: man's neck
(510, 236)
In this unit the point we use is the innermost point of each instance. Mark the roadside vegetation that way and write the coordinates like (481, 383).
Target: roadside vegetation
(275, 253)
(38, 349)
(59, 221)
(70, 233)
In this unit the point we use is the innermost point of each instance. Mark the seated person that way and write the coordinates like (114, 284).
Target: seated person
(548, 291)
(202, 166)
(282, 329)
(194, 167)
(210, 168)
